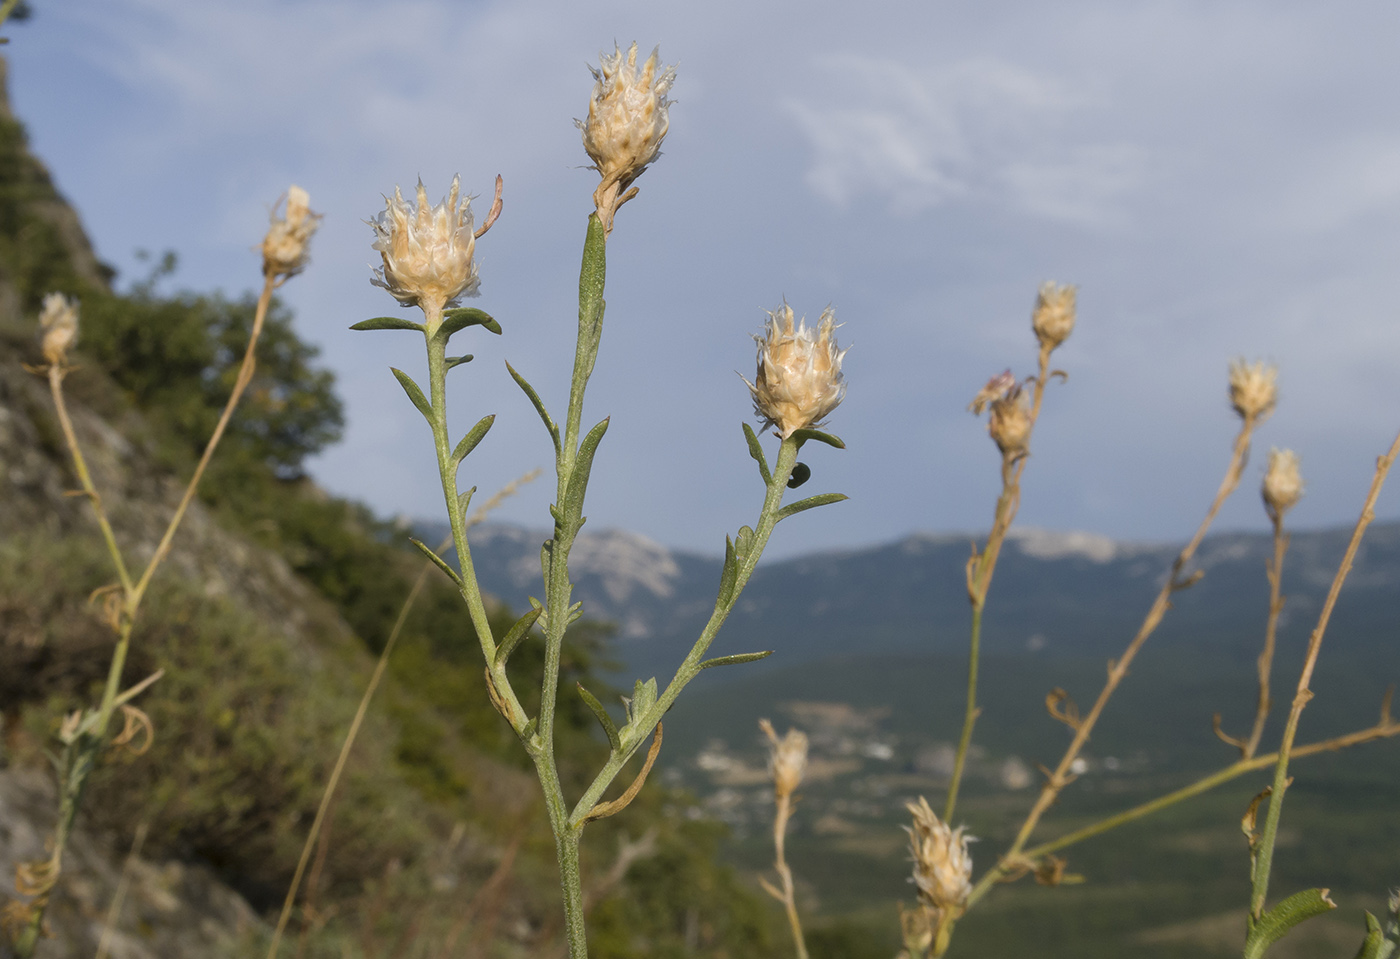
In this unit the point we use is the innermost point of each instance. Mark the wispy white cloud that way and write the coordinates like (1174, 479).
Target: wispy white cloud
(981, 130)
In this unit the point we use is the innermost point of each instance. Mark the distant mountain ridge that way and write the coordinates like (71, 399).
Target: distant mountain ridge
(1069, 592)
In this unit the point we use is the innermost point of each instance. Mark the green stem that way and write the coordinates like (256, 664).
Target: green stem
(642, 726)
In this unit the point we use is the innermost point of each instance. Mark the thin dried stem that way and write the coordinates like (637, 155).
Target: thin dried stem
(1266, 656)
(353, 733)
(114, 911)
(981, 567)
(1061, 777)
(1264, 850)
(786, 894)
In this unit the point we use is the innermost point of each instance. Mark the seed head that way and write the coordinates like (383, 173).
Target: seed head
(787, 758)
(942, 863)
(427, 250)
(1283, 486)
(1010, 422)
(58, 326)
(1253, 390)
(627, 120)
(284, 247)
(1053, 317)
(799, 380)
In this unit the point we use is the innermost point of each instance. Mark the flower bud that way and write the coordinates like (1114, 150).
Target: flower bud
(427, 250)
(799, 380)
(627, 120)
(1053, 317)
(284, 247)
(58, 325)
(1283, 486)
(942, 863)
(787, 759)
(1253, 392)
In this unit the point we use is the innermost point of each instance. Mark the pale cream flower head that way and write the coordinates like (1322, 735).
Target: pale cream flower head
(427, 250)
(284, 247)
(1009, 423)
(799, 380)
(1283, 484)
(58, 326)
(1054, 314)
(942, 862)
(627, 120)
(787, 758)
(1253, 389)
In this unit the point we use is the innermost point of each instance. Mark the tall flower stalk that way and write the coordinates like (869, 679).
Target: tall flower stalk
(428, 262)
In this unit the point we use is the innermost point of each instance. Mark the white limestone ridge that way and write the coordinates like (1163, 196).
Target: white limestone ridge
(1054, 544)
(624, 562)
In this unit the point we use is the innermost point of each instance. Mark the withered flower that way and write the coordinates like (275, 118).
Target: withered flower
(1283, 485)
(58, 327)
(787, 758)
(627, 120)
(427, 250)
(1053, 317)
(942, 862)
(799, 380)
(1253, 389)
(284, 247)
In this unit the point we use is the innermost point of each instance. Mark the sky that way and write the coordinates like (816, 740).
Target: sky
(1220, 180)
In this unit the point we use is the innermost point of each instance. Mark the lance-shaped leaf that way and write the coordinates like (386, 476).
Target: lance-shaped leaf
(473, 437)
(464, 316)
(743, 542)
(441, 563)
(415, 393)
(452, 362)
(514, 635)
(756, 451)
(463, 501)
(811, 502)
(388, 323)
(729, 574)
(583, 465)
(803, 436)
(1276, 923)
(736, 659)
(539, 406)
(643, 697)
(604, 719)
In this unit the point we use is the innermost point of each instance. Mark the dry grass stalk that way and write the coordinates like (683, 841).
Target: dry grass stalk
(788, 764)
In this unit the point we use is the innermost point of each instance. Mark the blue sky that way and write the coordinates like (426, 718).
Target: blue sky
(1221, 180)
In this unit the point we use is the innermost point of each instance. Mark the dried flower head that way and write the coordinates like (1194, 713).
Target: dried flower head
(787, 758)
(627, 120)
(1283, 485)
(1253, 389)
(1010, 421)
(427, 250)
(1053, 317)
(799, 380)
(58, 326)
(284, 247)
(942, 863)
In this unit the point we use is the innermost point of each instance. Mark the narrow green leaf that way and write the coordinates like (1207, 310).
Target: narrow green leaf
(811, 502)
(530, 728)
(643, 696)
(465, 316)
(728, 575)
(1277, 922)
(756, 451)
(743, 542)
(463, 501)
(441, 563)
(736, 659)
(415, 393)
(473, 437)
(388, 323)
(539, 406)
(803, 436)
(514, 635)
(603, 718)
(455, 361)
(583, 465)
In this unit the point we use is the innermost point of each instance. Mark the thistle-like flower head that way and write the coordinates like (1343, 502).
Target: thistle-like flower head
(1009, 424)
(284, 247)
(58, 327)
(799, 380)
(787, 758)
(427, 250)
(942, 862)
(1253, 389)
(1283, 484)
(627, 120)
(1053, 317)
